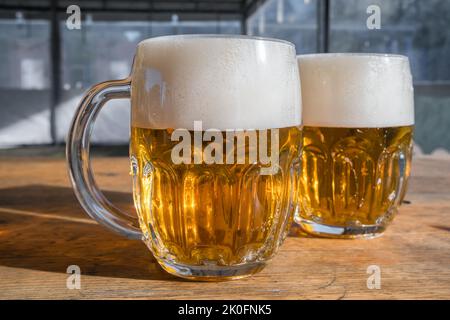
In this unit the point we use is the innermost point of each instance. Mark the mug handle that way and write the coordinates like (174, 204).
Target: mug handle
(77, 152)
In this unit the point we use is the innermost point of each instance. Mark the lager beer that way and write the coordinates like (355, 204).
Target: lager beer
(357, 140)
(222, 214)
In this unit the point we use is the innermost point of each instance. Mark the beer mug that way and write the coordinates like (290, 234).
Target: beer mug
(358, 118)
(214, 152)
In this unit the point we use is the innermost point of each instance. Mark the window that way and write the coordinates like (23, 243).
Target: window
(418, 29)
(24, 81)
(291, 20)
(103, 50)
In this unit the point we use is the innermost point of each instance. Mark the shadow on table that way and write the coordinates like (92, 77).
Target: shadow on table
(44, 228)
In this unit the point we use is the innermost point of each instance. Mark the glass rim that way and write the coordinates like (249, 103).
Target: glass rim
(218, 36)
(354, 54)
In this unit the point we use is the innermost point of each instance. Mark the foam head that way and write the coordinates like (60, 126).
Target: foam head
(356, 90)
(226, 82)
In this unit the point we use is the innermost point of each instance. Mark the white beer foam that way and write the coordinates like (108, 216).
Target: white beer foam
(356, 90)
(225, 82)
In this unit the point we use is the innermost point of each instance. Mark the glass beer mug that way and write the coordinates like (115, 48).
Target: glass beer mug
(214, 152)
(358, 122)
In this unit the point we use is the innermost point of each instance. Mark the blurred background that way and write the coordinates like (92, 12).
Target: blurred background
(45, 67)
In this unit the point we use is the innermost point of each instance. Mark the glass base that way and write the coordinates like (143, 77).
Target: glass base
(211, 272)
(338, 232)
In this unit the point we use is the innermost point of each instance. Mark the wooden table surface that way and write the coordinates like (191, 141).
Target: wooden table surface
(43, 230)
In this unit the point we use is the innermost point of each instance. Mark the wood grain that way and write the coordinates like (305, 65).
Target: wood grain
(43, 230)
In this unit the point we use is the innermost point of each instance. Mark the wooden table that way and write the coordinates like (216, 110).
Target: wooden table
(43, 230)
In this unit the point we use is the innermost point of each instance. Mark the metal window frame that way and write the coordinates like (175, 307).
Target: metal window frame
(323, 26)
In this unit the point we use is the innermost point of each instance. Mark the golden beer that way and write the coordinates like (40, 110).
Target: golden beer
(353, 176)
(212, 214)
(358, 117)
